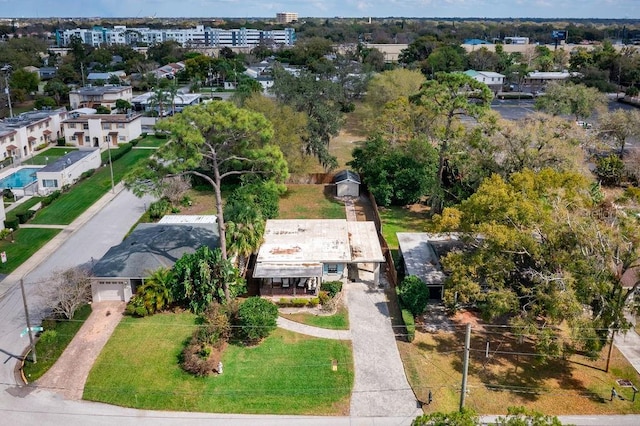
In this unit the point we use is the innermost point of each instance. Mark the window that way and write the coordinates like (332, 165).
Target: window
(332, 268)
(122, 138)
(73, 137)
(87, 139)
(106, 126)
(50, 183)
(12, 138)
(72, 125)
(85, 126)
(120, 125)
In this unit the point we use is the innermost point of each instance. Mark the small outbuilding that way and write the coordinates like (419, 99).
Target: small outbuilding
(67, 169)
(347, 183)
(150, 246)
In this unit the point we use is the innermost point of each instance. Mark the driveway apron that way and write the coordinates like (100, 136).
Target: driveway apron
(381, 387)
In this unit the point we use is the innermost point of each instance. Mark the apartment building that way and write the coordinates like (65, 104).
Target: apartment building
(19, 136)
(91, 97)
(199, 36)
(101, 130)
(286, 17)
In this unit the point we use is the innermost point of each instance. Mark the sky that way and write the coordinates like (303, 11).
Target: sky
(322, 8)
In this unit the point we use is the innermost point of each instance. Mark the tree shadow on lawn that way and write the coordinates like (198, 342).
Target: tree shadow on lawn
(511, 365)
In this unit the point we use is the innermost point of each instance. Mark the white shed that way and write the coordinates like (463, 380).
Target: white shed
(347, 184)
(67, 169)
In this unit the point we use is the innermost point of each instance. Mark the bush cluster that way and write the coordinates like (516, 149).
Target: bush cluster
(257, 319)
(50, 198)
(159, 208)
(298, 302)
(204, 350)
(331, 287)
(12, 223)
(414, 294)
(87, 174)
(123, 149)
(23, 217)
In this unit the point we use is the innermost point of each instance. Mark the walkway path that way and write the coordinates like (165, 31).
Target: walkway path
(313, 331)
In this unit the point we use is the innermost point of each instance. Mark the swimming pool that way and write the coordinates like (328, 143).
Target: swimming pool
(20, 178)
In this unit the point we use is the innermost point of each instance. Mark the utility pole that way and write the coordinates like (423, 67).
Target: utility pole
(26, 314)
(6, 69)
(465, 366)
(113, 187)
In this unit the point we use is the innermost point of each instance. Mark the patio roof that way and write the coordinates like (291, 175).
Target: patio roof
(292, 270)
(364, 242)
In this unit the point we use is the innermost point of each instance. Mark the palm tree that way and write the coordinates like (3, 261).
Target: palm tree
(156, 290)
(159, 98)
(245, 230)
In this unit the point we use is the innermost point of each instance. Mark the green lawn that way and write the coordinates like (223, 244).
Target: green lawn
(310, 202)
(287, 373)
(83, 194)
(27, 242)
(23, 207)
(151, 141)
(49, 156)
(48, 352)
(338, 321)
(401, 219)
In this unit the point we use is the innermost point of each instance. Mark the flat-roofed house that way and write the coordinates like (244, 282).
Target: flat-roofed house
(297, 255)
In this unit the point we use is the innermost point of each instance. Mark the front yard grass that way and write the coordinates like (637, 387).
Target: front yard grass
(433, 361)
(287, 373)
(151, 141)
(48, 352)
(27, 242)
(310, 202)
(49, 156)
(83, 194)
(337, 321)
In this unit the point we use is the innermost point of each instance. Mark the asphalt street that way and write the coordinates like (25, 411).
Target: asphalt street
(107, 227)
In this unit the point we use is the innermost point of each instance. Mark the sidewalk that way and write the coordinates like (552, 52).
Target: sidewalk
(629, 345)
(309, 330)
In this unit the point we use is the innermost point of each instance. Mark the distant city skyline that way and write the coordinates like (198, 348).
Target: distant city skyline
(603, 9)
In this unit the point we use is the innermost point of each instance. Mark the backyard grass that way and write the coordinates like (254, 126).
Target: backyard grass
(48, 351)
(287, 373)
(49, 156)
(310, 202)
(27, 242)
(337, 321)
(83, 194)
(433, 362)
(151, 141)
(401, 219)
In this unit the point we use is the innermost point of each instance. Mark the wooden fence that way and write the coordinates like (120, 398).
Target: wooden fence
(392, 274)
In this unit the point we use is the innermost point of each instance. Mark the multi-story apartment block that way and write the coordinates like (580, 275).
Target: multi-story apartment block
(286, 17)
(91, 97)
(101, 130)
(198, 36)
(19, 136)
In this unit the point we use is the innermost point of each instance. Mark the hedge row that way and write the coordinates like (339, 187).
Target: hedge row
(298, 302)
(409, 324)
(50, 198)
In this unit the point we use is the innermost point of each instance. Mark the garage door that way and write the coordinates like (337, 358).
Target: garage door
(108, 291)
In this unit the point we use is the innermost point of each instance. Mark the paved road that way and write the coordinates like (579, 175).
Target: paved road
(89, 237)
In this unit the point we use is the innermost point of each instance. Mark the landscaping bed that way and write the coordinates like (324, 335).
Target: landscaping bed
(287, 373)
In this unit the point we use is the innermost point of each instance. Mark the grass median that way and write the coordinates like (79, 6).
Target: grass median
(287, 373)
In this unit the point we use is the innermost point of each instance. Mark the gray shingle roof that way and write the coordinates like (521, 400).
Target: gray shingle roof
(151, 246)
(346, 175)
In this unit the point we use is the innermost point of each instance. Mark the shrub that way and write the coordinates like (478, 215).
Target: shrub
(217, 323)
(610, 170)
(257, 319)
(12, 223)
(136, 306)
(50, 198)
(87, 174)
(632, 192)
(123, 149)
(331, 287)
(632, 91)
(8, 194)
(323, 297)
(158, 209)
(314, 301)
(414, 294)
(409, 324)
(48, 337)
(60, 142)
(41, 146)
(23, 217)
